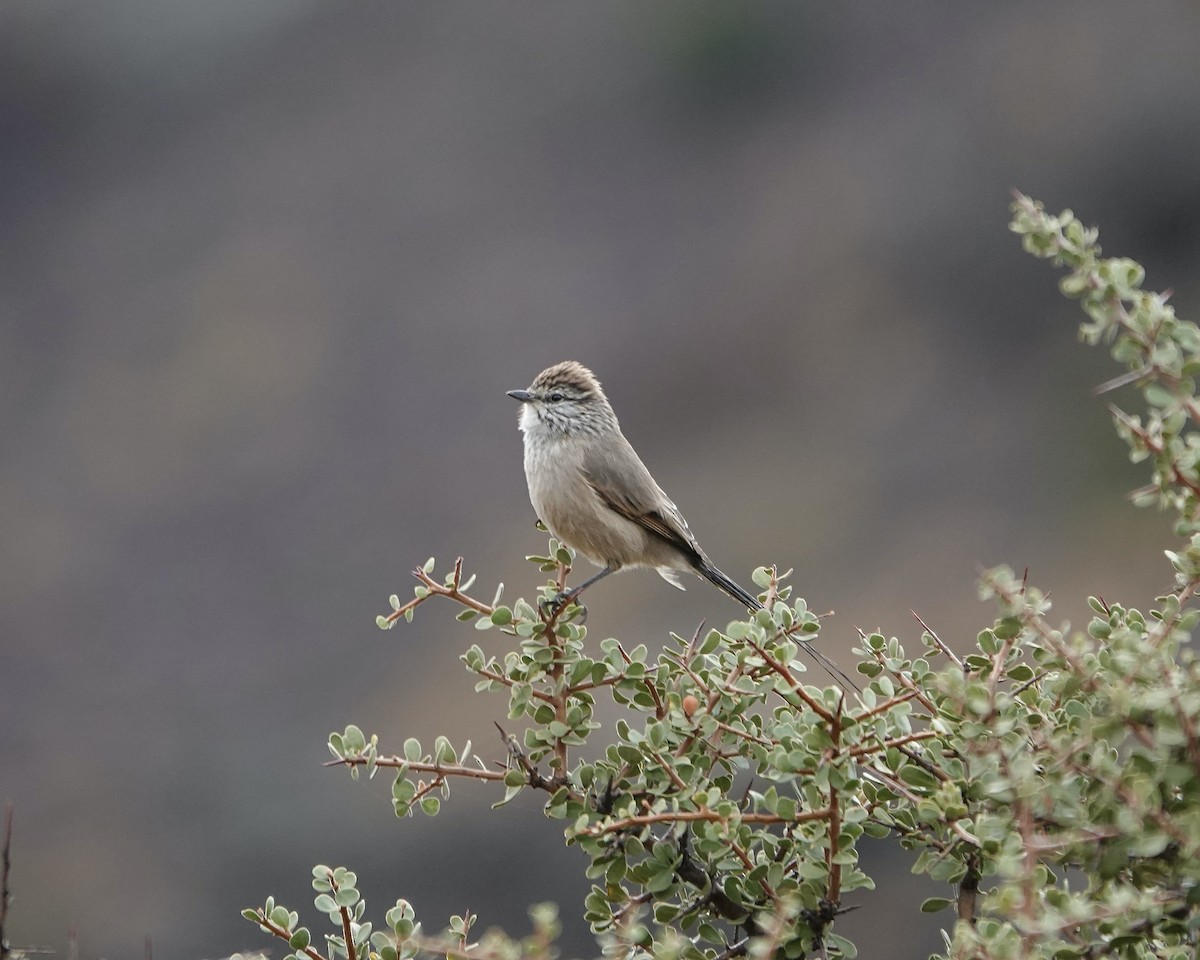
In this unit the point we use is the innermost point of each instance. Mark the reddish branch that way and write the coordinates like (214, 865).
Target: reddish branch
(436, 589)
(704, 814)
(421, 766)
(835, 812)
(796, 687)
(950, 654)
(1087, 678)
(509, 682)
(277, 931)
(1156, 447)
(660, 709)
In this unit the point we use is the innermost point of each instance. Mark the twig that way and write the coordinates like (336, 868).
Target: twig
(687, 816)
(509, 682)
(277, 931)
(938, 640)
(420, 766)
(436, 589)
(660, 709)
(691, 646)
(669, 770)
(1131, 376)
(740, 852)
(926, 765)
(886, 705)
(1156, 447)
(735, 732)
(906, 681)
(736, 949)
(1087, 678)
(797, 688)
(347, 935)
(834, 890)
(714, 697)
(532, 775)
(865, 749)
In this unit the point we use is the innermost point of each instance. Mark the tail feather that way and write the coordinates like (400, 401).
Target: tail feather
(735, 592)
(672, 577)
(728, 587)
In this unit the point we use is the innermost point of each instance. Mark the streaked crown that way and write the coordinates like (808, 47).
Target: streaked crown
(571, 378)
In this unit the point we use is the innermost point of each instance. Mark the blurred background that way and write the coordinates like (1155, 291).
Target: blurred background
(268, 270)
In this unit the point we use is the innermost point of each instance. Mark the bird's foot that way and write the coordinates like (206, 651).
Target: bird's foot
(555, 605)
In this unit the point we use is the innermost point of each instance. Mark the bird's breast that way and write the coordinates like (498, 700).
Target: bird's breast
(568, 505)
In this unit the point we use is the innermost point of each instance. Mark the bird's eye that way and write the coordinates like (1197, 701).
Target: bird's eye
(556, 397)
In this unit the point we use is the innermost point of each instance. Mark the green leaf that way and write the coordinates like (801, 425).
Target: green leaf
(916, 776)
(1007, 629)
(510, 793)
(934, 904)
(1157, 395)
(325, 903)
(443, 751)
(354, 739)
(711, 641)
(661, 881)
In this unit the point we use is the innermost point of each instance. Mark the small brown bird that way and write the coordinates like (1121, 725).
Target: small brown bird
(592, 491)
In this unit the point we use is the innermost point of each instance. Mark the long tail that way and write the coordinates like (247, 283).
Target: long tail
(728, 587)
(731, 589)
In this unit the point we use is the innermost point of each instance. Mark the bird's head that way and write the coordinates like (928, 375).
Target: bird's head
(564, 399)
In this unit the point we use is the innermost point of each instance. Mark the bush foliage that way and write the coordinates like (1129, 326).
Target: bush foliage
(1049, 779)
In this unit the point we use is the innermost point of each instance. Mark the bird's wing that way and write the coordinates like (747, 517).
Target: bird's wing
(639, 499)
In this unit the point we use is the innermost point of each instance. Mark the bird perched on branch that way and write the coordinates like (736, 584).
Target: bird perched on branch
(592, 491)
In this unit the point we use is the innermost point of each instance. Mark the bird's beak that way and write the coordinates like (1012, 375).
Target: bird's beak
(523, 395)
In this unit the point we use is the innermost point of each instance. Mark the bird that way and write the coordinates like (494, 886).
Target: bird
(592, 491)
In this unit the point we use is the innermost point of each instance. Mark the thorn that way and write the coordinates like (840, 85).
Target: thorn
(1131, 376)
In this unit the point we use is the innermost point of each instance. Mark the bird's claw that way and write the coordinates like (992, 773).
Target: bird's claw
(553, 606)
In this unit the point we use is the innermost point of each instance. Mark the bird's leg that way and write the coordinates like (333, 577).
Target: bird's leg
(562, 598)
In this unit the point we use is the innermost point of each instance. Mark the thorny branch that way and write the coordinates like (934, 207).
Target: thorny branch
(557, 693)
(688, 816)
(453, 590)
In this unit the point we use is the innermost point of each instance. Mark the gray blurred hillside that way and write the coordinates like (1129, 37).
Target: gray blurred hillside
(269, 269)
